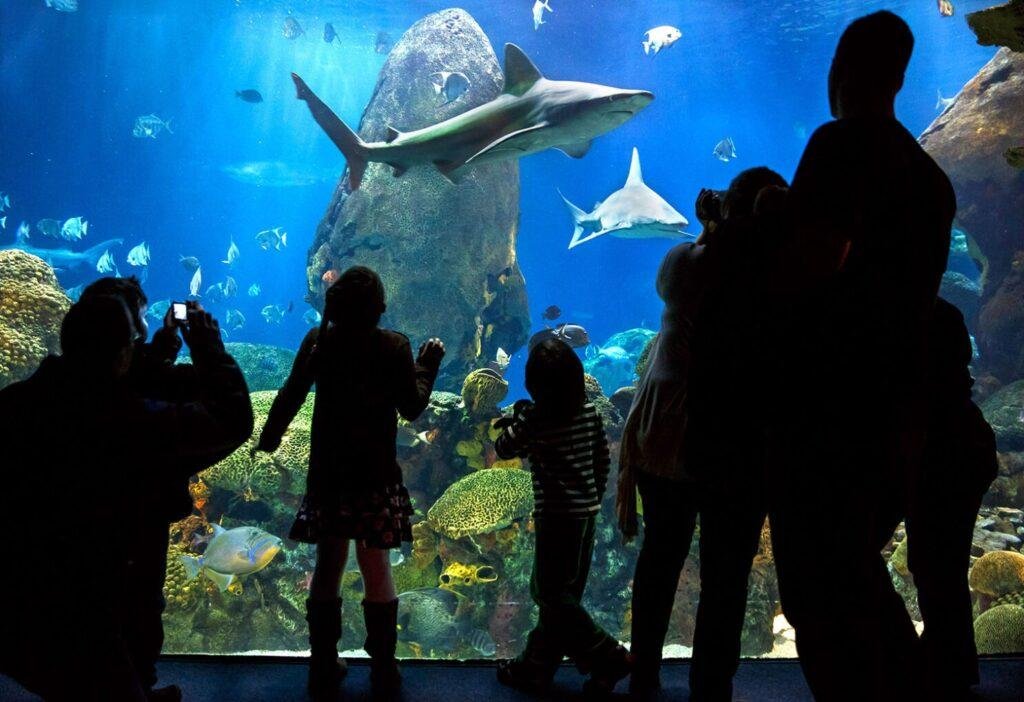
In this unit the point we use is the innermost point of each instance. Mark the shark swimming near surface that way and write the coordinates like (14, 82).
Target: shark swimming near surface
(531, 115)
(632, 212)
(66, 259)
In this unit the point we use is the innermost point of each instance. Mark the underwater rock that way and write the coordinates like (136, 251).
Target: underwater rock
(265, 367)
(968, 141)
(1004, 410)
(1002, 25)
(1000, 334)
(1000, 630)
(32, 307)
(446, 253)
(481, 502)
(610, 416)
(963, 292)
(622, 399)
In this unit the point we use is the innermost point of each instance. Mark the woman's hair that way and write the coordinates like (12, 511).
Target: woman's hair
(128, 289)
(554, 379)
(743, 190)
(355, 301)
(96, 331)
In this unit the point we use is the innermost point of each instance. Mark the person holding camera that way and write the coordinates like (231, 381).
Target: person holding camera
(365, 376)
(73, 435)
(685, 450)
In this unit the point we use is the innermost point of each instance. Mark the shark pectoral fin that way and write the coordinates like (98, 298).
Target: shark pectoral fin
(391, 134)
(399, 169)
(577, 149)
(520, 73)
(507, 142)
(447, 168)
(577, 239)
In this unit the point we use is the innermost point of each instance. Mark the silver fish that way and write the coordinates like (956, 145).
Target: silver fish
(139, 255)
(106, 263)
(725, 150)
(233, 254)
(190, 263)
(538, 12)
(312, 318)
(75, 293)
(235, 320)
(660, 38)
(23, 232)
(292, 29)
(275, 238)
(481, 641)
(5, 202)
(382, 44)
(254, 290)
(158, 309)
(197, 280)
(74, 229)
(150, 126)
(49, 227)
(63, 5)
(273, 314)
(943, 103)
(229, 287)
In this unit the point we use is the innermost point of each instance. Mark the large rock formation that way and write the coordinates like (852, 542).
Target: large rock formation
(446, 252)
(969, 141)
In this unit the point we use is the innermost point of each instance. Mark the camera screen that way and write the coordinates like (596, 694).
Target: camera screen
(179, 311)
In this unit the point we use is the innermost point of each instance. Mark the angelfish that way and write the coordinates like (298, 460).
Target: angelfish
(660, 38)
(197, 281)
(943, 103)
(725, 150)
(538, 12)
(451, 84)
(233, 254)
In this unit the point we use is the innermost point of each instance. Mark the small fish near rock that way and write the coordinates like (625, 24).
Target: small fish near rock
(74, 229)
(249, 95)
(150, 126)
(329, 34)
(292, 29)
(725, 150)
(450, 84)
(312, 318)
(538, 12)
(1015, 156)
(551, 313)
(660, 38)
(276, 238)
(572, 334)
(943, 103)
(382, 44)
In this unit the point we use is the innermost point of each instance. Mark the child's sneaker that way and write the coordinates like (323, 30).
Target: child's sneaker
(525, 675)
(613, 665)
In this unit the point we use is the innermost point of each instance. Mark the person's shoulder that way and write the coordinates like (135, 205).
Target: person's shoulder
(394, 339)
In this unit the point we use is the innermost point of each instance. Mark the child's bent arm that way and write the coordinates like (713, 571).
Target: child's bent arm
(291, 396)
(415, 383)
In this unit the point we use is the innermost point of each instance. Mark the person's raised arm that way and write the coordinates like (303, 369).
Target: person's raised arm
(415, 379)
(291, 396)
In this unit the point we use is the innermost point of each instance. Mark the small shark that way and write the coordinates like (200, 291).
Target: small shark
(531, 115)
(633, 212)
(66, 259)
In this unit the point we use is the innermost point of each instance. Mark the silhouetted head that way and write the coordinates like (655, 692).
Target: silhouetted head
(554, 379)
(96, 337)
(743, 190)
(868, 67)
(130, 291)
(355, 300)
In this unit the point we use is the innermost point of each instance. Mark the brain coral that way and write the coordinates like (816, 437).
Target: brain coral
(32, 306)
(483, 389)
(482, 502)
(262, 476)
(998, 573)
(1000, 630)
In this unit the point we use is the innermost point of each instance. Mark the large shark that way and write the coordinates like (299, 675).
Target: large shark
(66, 259)
(632, 212)
(531, 115)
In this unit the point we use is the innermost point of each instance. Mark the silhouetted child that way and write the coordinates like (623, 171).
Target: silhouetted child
(365, 376)
(563, 436)
(958, 464)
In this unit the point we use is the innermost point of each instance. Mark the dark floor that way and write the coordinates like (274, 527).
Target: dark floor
(262, 680)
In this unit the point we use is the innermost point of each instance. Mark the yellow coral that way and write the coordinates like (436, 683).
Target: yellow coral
(424, 545)
(482, 502)
(32, 307)
(457, 574)
(514, 463)
(483, 389)
(469, 447)
(998, 573)
(179, 591)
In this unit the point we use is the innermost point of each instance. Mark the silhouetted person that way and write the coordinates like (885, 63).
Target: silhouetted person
(562, 435)
(958, 465)
(365, 377)
(686, 449)
(72, 434)
(869, 230)
(163, 497)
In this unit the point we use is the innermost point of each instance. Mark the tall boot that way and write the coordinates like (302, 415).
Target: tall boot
(381, 638)
(326, 670)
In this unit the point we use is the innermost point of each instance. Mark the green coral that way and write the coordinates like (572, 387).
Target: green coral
(1000, 630)
(482, 390)
(645, 357)
(263, 476)
(609, 415)
(32, 307)
(265, 367)
(180, 592)
(482, 502)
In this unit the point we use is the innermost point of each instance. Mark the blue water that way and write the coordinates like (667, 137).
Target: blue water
(72, 84)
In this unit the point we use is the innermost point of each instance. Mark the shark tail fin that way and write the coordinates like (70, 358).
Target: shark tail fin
(94, 253)
(348, 142)
(578, 217)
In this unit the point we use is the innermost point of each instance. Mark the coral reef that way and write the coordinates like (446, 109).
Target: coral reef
(32, 306)
(1000, 630)
(482, 390)
(481, 502)
(613, 421)
(1002, 25)
(998, 573)
(446, 253)
(265, 367)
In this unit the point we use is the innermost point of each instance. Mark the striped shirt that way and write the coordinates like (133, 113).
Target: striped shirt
(569, 460)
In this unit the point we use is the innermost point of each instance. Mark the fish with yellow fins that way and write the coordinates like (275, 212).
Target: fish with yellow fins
(232, 553)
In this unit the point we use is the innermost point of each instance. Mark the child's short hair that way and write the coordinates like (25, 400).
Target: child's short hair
(554, 379)
(355, 299)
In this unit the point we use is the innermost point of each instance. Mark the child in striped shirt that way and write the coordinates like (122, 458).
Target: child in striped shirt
(562, 435)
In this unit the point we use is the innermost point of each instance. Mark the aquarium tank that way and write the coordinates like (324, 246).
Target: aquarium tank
(163, 139)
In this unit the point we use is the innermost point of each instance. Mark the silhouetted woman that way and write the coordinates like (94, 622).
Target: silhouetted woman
(365, 376)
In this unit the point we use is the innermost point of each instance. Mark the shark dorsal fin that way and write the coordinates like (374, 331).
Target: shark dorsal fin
(391, 134)
(520, 73)
(636, 176)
